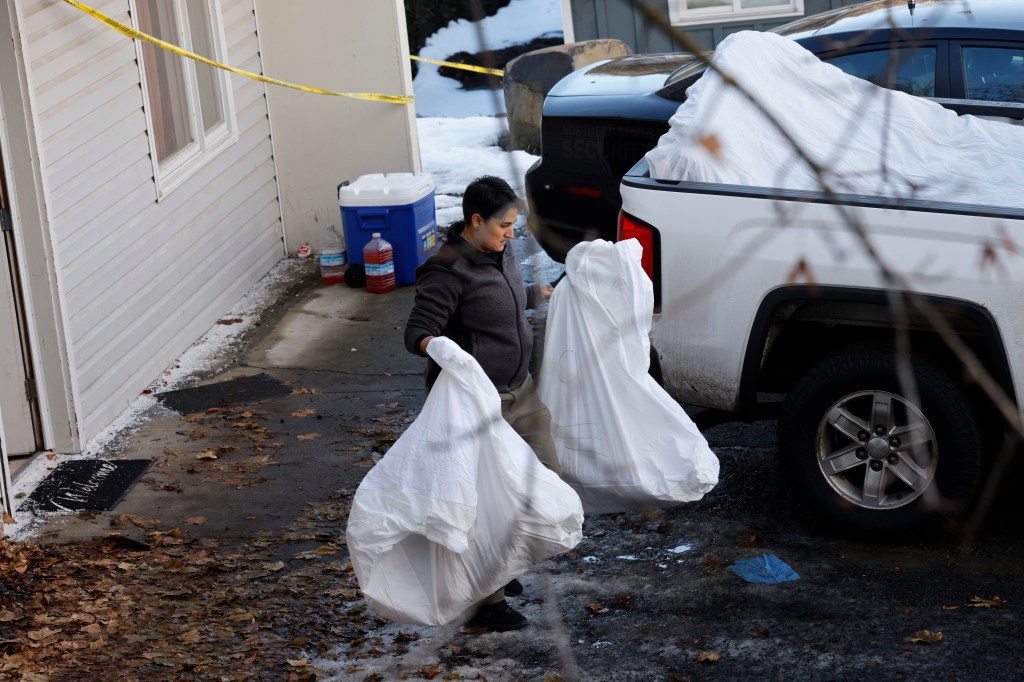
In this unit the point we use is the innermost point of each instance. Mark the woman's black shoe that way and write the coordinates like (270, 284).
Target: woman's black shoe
(498, 617)
(514, 588)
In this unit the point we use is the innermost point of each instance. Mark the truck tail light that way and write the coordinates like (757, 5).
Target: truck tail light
(632, 229)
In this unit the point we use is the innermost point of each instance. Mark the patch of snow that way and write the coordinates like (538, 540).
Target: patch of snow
(590, 560)
(518, 22)
(628, 557)
(455, 151)
(685, 547)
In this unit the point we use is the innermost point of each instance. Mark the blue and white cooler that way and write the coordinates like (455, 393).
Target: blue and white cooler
(398, 205)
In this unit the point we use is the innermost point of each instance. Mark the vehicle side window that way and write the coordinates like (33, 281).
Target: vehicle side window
(913, 71)
(994, 74)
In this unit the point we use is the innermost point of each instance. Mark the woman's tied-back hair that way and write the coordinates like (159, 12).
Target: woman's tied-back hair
(489, 196)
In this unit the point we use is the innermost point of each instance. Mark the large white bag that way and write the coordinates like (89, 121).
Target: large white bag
(867, 139)
(622, 441)
(458, 506)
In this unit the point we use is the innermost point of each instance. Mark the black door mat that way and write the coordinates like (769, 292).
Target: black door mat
(241, 390)
(84, 484)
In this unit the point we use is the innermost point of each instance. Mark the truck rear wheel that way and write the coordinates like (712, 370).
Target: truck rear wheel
(871, 459)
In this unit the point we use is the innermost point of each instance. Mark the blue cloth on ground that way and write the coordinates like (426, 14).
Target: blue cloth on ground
(767, 568)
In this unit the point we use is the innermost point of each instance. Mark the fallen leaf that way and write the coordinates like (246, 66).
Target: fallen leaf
(250, 425)
(304, 412)
(308, 436)
(747, 540)
(40, 635)
(92, 629)
(981, 602)
(760, 633)
(8, 519)
(597, 607)
(208, 453)
(233, 320)
(708, 657)
(298, 662)
(197, 520)
(190, 637)
(275, 567)
(950, 607)
(429, 672)
(924, 637)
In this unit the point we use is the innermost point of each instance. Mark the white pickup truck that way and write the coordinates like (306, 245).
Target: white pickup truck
(761, 291)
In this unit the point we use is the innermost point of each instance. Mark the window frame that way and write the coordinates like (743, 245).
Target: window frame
(186, 162)
(680, 15)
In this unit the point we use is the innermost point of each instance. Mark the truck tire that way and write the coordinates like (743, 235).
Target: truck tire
(857, 451)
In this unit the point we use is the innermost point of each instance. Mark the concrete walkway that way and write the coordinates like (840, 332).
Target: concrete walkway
(231, 469)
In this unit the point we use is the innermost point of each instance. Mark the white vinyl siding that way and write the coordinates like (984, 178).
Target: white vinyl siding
(141, 280)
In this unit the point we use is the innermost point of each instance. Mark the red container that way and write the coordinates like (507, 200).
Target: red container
(378, 259)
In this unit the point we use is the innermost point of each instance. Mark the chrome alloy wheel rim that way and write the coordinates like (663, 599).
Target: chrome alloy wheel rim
(876, 450)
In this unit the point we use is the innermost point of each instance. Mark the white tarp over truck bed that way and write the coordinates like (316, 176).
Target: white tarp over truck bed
(869, 140)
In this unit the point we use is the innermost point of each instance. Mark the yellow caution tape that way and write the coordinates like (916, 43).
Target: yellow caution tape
(139, 35)
(465, 67)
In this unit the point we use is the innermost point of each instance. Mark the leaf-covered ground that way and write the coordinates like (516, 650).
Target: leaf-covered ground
(178, 607)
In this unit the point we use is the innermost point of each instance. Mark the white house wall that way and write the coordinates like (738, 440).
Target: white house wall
(140, 280)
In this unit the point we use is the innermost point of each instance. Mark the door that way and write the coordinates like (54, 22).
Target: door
(20, 428)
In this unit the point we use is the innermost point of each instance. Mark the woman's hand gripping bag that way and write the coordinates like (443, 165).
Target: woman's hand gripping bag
(458, 506)
(622, 441)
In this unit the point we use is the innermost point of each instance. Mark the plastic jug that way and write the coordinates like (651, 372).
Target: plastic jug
(332, 257)
(378, 258)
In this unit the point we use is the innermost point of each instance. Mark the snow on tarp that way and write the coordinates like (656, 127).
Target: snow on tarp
(871, 140)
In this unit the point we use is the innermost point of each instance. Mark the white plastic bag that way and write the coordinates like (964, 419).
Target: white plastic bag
(622, 441)
(458, 506)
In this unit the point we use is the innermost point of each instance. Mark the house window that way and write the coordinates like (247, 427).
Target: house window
(188, 103)
(689, 12)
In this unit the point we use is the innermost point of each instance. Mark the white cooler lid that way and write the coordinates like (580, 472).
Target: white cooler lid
(386, 189)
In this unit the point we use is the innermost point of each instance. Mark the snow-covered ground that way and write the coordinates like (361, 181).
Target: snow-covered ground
(517, 23)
